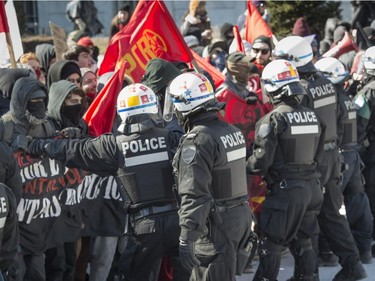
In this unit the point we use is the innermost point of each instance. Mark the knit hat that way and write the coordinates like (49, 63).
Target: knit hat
(301, 28)
(226, 29)
(125, 8)
(68, 69)
(238, 57)
(85, 41)
(85, 70)
(257, 3)
(263, 39)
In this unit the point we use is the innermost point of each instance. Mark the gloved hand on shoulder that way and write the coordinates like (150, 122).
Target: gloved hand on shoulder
(21, 142)
(252, 98)
(36, 146)
(187, 255)
(71, 133)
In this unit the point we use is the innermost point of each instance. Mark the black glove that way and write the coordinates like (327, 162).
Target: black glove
(21, 142)
(252, 98)
(11, 273)
(71, 133)
(36, 147)
(187, 256)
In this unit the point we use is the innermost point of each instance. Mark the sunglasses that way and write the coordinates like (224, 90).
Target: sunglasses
(72, 80)
(263, 51)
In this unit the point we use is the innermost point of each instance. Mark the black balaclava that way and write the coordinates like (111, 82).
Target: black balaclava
(72, 112)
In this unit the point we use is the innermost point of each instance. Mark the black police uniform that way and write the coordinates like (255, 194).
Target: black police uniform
(141, 158)
(288, 144)
(366, 138)
(322, 98)
(357, 205)
(214, 213)
(9, 234)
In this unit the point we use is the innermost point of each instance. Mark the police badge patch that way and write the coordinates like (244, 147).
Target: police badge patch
(188, 153)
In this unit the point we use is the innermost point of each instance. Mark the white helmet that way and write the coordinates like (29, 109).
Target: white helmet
(136, 99)
(332, 69)
(187, 92)
(369, 59)
(297, 50)
(277, 74)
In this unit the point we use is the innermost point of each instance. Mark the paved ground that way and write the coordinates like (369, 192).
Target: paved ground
(326, 273)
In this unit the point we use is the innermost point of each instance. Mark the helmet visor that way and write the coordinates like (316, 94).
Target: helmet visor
(168, 106)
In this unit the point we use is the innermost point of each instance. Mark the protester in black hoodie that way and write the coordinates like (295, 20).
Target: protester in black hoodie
(8, 77)
(43, 180)
(65, 110)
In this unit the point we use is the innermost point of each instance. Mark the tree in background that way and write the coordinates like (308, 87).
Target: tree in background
(285, 13)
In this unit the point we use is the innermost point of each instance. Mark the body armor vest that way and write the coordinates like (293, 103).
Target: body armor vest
(349, 137)
(146, 172)
(4, 209)
(324, 99)
(298, 144)
(229, 177)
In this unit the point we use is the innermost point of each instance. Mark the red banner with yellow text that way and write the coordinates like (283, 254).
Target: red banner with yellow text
(150, 33)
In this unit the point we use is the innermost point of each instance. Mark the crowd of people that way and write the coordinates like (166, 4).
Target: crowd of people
(194, 180)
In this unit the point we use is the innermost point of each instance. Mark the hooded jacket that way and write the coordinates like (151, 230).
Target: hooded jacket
(7, 79)
(159, 73)
(61, 70)
(45, 53)
(45, 182)
(57, 95)
(21, 94)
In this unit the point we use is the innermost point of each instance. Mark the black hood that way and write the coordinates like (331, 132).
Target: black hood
(45, 53)
(21, 94)
(159, 73)
(8, 77)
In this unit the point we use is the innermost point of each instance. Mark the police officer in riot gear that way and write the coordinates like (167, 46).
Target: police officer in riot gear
(215, 217)
(322, 98)
(140, 157)
(288, 145)
(357, 205)
(366, 128)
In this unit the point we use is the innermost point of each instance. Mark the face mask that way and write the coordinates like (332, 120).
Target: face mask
(72, 112)
(239, 72)
(37, 109)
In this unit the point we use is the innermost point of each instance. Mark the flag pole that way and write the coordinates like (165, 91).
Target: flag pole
(10, 50)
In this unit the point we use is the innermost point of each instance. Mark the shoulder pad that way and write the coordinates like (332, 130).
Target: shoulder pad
(191, 136)
(264, 130)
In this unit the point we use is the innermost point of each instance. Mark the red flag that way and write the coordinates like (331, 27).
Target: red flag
(101, 113)
(3, 18)
(150, 33)
(237, 37)
(215, 74)
(255, 25)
